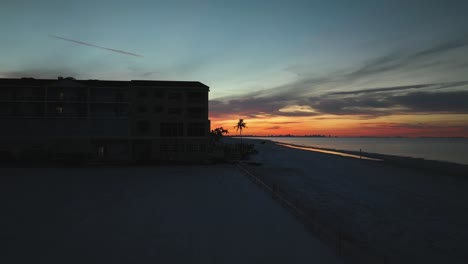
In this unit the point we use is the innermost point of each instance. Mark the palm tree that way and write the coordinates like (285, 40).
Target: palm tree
(218, 133)
(240, 126)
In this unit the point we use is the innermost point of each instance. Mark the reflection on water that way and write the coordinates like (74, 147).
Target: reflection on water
(330, 152)
(444, 149)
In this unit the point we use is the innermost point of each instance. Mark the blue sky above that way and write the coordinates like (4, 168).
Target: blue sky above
(241, 49)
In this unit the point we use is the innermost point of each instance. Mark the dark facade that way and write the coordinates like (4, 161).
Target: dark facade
(104, 120)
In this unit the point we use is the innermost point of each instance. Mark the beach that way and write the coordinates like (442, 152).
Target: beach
(377, 211)
(400, 214)
(151, 214)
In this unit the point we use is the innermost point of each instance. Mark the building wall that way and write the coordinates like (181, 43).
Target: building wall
(107, 120)
(55, 128)
(173, 119)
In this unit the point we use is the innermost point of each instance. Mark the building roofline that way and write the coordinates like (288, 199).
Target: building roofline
(169, 82)
(93, 82)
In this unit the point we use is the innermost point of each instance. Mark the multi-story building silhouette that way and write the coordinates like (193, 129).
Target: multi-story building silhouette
(104, 120)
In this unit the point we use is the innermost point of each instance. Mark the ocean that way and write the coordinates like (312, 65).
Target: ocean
(442, 149)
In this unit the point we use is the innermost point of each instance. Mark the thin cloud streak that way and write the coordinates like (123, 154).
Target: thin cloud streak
(96, 46)
(401, 88)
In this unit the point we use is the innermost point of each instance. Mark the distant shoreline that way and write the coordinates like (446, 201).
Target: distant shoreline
(426, 165)
(324, 136)
(376, 206)
(452, 150)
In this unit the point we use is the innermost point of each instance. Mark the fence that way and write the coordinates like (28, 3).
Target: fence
(342, 242)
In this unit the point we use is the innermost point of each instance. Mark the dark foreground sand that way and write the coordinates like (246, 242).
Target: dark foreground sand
(191, 214)
(399, 214)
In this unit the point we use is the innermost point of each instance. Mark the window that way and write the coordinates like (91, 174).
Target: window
(192, 147)
(81, 95)
(142, 109)
(174, 111)
(175, 96)
(142, 92)
(37, 94)
(101, 151)
(172, 129)
(143, 126)
(196, 148)
(180, 147)
(158, 93)
(119, 97)
(119, 111)
(202, 147)
(158, 109)
(81, 110)
(164, 148)
(59, 109)
(38, 109)
(15, 110)
(196, 97)
(196, 112)
(196, 130)
(172, 148)
(4, 109)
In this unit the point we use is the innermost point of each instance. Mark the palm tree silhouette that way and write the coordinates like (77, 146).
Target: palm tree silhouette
(240, 126)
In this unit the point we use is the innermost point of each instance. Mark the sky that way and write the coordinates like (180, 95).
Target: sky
(341, 68)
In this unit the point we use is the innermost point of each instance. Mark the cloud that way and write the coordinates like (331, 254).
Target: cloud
(393, 125)
(402, 88)
(254, 107)
(96, 46)
(442, 102)
(297, 109)
(399, 60)
(437, 129)
(148, 74)
(330, 94)
(283, 123)
(272, 128)
(40, 73)
(383, 89)
(372, 102)
(444, 47)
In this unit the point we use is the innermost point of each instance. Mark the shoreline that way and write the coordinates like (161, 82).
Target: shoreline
(452, 150)
(427, 165)
(328, 151)
(398, 210)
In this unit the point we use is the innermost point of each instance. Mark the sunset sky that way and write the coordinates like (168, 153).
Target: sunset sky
(342, 68)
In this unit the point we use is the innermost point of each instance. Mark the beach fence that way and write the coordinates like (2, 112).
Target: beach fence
(341, 241)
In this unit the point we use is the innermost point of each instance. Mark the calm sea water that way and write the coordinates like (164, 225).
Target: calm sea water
(444, 149)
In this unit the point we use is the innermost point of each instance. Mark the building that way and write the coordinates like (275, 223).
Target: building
(104, 120)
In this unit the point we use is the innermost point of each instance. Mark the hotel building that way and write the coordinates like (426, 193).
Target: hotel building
(104, 120)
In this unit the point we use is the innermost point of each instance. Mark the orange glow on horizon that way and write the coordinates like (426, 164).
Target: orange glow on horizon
(439, 125)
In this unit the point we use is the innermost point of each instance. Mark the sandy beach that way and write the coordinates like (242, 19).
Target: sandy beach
(158, 214)
(399, 214)
(216, 214)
